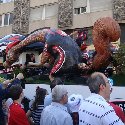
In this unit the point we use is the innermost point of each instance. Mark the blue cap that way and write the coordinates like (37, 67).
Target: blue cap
(110, 82)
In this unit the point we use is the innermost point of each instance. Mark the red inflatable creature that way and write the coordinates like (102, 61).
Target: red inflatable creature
(105, 30)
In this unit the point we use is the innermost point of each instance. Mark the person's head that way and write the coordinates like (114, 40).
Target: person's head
(20, 76)
(56, 81)
(40, 94)
(60, 94)
(98, 83)
(16, 92)
(39, 97)
(32, 56)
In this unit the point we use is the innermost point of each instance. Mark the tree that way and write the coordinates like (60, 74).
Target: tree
(119, 56)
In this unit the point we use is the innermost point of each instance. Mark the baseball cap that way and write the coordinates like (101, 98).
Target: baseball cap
(74, 101)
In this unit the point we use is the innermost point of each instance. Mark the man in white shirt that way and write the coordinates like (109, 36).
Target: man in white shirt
(94, 110)
(56, 113)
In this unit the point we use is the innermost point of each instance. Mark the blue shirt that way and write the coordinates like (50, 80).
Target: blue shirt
(2, 96)
(55, 114)
(48, 100)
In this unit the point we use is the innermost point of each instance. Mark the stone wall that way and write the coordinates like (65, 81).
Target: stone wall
(65, 13)
(21, 16)
(119, 10)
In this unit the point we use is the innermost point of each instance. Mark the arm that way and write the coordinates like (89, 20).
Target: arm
(28, 114)
(110, 117)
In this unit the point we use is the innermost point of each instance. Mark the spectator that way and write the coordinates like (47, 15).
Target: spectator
(95, 109)
(32, 56)
(17, 80)
(48, 98)
(37, 106)
(56, 113)
(74, 101)
(3, 94)
(25, 103)
(117, 109)
(17, 115)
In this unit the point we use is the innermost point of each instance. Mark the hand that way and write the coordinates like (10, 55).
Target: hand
(51, 77)
(6, 83)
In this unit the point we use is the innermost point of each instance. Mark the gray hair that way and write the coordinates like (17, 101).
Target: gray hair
(58, 92)
(94, 82)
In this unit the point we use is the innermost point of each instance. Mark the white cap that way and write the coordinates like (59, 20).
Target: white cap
(74, 101)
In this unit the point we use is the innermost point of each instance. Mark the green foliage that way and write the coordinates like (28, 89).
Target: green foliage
(119, 80)
(2, 79)
(119, 56)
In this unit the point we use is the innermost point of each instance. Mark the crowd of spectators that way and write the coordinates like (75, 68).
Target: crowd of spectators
(57, 108)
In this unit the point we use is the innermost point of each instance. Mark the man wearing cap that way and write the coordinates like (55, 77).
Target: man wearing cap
(95, 109)
(56, 113)
(74, 102)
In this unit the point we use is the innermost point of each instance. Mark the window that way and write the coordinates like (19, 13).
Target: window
(5, 1)
(6, 19)
(0, 20)
(51, 10)
(83, 9)
(79, 10)
(1, 1)
(11, 18)
(36, 13)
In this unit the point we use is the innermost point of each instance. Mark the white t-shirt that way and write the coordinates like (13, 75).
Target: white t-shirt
(94, 110)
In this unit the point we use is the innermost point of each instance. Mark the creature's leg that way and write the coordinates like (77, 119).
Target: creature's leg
(14, 52)
(58, 65)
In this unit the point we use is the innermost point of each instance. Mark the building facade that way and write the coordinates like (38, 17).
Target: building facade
(24, 16)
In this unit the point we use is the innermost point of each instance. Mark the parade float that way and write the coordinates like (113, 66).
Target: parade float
(57, 52)
(55, 49)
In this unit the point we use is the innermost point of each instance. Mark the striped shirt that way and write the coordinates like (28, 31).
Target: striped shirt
(94, 110)
(36, 114)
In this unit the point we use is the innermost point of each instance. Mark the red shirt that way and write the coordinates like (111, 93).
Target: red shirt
(17, 115)
(118, 111)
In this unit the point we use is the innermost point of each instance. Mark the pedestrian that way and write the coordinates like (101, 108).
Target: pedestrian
(17, 115)
(37, 107)
(56, 113)
(95, 110)
(48, 98)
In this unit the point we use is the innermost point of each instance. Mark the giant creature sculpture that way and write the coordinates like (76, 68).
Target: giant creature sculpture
(64, 53)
